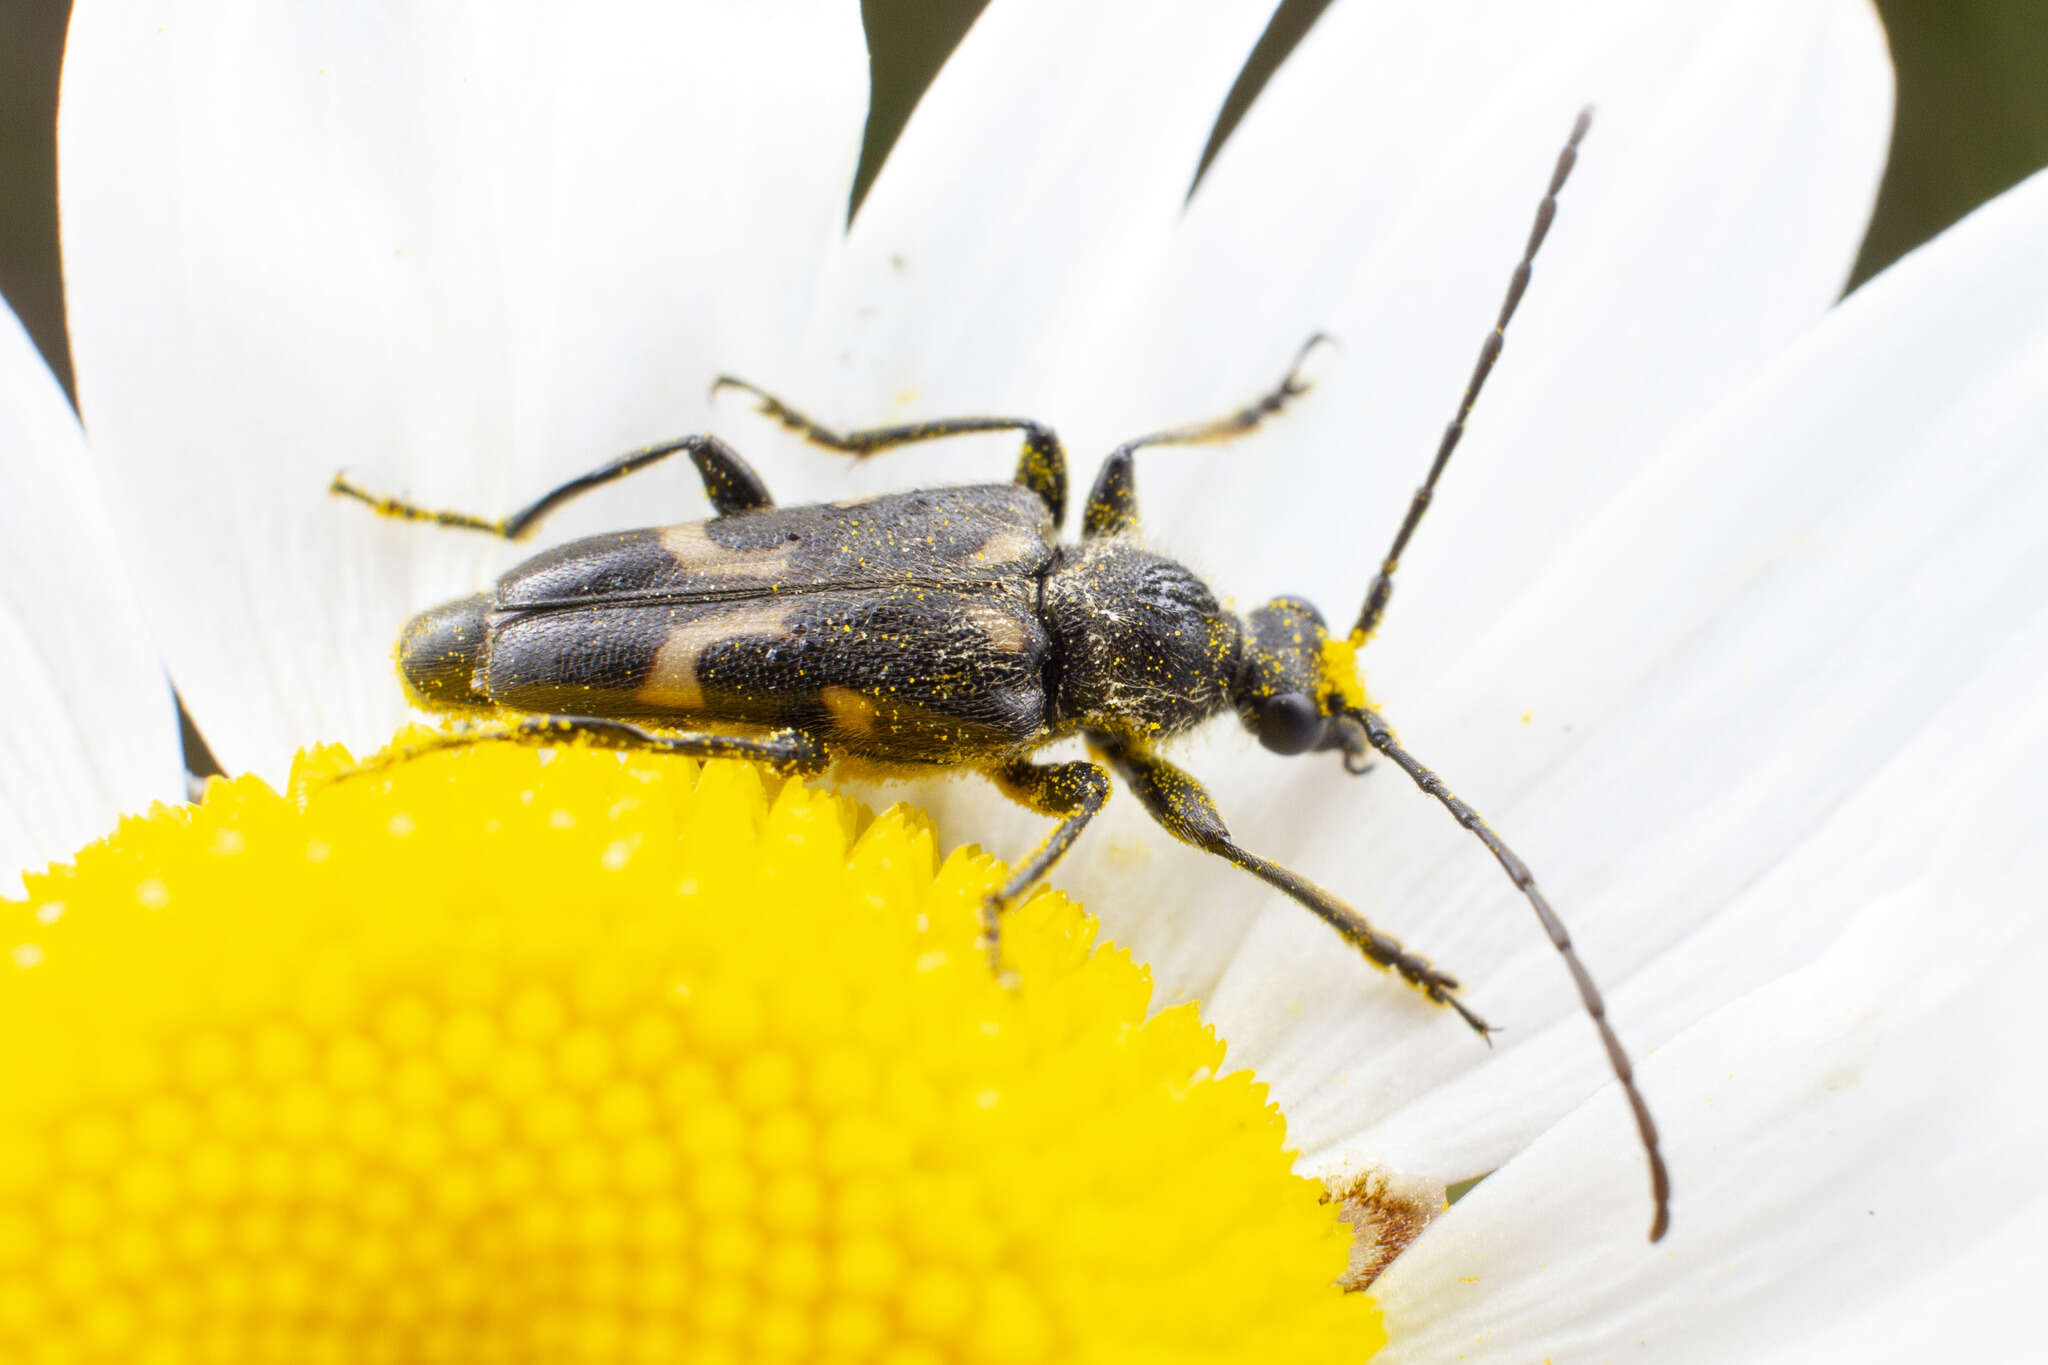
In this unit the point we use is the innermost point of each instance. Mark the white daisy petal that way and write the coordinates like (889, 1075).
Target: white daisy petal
(1736, 648)
(1382, 189)
(1856, 1145)
(90, 731)
(464, 257)
(1043, 169)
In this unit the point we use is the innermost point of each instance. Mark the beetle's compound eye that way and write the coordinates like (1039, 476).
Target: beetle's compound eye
(1289, 723)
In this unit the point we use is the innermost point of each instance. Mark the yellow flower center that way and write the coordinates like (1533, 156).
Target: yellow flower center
(501, 1055)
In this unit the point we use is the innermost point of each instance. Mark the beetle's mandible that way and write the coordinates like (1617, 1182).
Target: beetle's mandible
(949, 627)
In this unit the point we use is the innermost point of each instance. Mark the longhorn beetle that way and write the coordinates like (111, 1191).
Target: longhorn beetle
(949, 627)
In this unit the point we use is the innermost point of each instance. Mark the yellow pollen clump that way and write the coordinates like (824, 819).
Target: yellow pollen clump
(1340, 677)
(503, 1055)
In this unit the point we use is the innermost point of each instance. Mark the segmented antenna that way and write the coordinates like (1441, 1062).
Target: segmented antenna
(1381, 736)
(1383, 583)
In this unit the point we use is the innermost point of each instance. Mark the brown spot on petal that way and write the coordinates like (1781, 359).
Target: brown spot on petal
(1387, 1210)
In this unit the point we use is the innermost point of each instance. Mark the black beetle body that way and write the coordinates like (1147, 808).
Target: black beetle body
(936, 627)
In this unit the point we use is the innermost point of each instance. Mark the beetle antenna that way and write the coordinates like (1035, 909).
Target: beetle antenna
(1381, 736)
(1383, 582)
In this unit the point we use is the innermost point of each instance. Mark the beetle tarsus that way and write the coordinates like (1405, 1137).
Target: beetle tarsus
(990, 940)
(1112, 506)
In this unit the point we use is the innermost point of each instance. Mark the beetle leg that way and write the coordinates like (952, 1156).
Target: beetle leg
(1112, 506)
(729, 481)
(1073, 792)
(790, 752)
(1184, 809)
(1042, 467)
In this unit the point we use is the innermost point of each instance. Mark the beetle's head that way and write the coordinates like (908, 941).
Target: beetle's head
(1298, 688)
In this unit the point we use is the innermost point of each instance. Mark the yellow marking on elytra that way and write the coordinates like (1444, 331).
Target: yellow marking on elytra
(697, 552)
(1001, 628)
(1011, 547)
(672, 683)
(850, 711)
